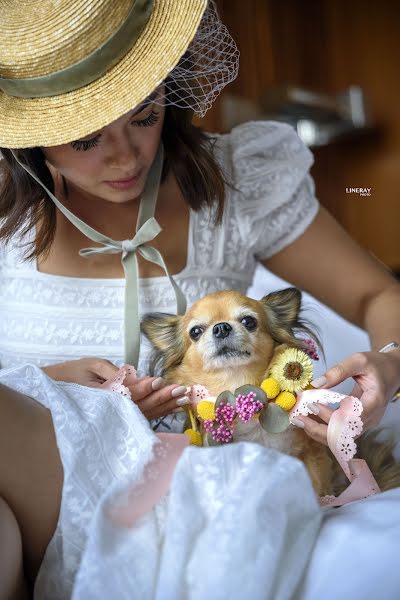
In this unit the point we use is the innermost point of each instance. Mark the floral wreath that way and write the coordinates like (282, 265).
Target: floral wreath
(214, 419)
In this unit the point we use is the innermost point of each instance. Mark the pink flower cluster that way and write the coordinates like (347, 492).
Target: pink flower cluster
(225, 414)
(310, 348)
(247, 407)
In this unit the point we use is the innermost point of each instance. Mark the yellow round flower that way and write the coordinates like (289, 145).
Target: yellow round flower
(286, 400)
(194, 436)
(270, 387)
(292, 369)
(206, 410)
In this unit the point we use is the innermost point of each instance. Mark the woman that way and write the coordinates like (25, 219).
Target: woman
(93, 136)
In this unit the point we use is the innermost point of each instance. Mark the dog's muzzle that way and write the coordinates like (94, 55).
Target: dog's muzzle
(222, 330)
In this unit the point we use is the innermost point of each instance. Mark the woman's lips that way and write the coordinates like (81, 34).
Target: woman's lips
(124, 184)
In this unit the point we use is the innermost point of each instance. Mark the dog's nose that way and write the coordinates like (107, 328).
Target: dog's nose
(222, 330)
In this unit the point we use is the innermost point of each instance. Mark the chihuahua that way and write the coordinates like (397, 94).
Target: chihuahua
(226, 340)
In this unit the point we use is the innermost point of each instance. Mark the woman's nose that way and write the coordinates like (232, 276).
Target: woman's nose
(122, 155)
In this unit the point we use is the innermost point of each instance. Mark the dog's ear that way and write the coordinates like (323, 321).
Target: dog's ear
(283, 316)
(164, 332)
(282, 307)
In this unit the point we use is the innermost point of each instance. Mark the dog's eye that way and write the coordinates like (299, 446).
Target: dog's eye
(195, 333)
(249, 322)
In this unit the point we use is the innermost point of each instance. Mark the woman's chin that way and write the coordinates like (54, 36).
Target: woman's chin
(121, 197)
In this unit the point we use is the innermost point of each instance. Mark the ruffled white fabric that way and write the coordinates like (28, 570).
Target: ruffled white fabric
(211, 543)
(278, 172)
(203, 526)
(103, 439)
(240, 521)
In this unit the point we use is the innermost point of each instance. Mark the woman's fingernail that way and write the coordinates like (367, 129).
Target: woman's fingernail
(319, 381)
(178, 410)
(315, 409)
(183, 401)
(178, 391)
(298, 423)
(157, 384)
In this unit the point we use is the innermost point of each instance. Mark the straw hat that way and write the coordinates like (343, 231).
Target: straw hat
(70, 67)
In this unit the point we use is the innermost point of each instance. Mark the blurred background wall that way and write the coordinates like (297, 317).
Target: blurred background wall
(301, 61)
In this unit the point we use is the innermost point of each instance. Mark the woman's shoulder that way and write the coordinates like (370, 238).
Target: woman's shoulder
(273, 196)
(264, 149)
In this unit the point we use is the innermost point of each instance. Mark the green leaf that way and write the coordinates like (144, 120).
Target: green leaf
(259, 393)
(227, 398)
(274, 419)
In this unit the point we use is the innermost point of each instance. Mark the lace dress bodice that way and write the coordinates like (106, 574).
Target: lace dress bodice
(47, 319)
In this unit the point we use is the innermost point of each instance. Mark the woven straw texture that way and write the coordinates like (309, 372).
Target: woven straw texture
(40, 35)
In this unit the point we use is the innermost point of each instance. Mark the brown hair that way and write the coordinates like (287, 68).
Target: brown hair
(188, 151)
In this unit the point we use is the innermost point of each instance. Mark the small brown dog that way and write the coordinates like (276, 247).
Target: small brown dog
(226, 340)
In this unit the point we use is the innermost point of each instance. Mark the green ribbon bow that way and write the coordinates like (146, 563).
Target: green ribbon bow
(147, 228)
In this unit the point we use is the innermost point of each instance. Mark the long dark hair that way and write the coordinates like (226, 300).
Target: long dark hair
(188, 151)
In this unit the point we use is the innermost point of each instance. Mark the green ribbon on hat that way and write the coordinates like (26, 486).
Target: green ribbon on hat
(89, 68)
(147, 228)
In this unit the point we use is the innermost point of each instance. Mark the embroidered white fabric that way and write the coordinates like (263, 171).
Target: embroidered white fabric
(94, 455)
(47, 319)
(202, 526)
(275, 543)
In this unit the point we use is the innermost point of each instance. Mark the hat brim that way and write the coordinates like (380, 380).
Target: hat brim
(56, 120)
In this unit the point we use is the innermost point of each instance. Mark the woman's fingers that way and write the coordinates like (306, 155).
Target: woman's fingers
(323, 412)
(316, 426)
(160, 401)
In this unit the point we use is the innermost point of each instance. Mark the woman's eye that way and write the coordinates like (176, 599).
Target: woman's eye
(85, 144)
(195, 333)
(150, 120)
(249, 322)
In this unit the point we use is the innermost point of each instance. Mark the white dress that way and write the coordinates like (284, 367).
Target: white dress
(258, 544)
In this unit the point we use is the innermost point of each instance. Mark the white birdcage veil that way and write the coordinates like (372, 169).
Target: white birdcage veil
(209, 64)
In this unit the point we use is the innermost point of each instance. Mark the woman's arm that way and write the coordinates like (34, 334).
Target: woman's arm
(328, 264)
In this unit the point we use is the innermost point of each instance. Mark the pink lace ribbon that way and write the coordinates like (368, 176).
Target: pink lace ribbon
(344, 424)
(141, 497)
(126, 376)
(154, 484)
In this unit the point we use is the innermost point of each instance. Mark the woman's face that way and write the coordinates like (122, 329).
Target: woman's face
(112, 163)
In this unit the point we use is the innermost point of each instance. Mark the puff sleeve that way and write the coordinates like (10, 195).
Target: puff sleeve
(275, 202)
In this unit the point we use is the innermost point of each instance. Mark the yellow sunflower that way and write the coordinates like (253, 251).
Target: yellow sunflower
(292, 369)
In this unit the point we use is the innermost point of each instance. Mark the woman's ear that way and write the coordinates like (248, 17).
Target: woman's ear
(164, 331)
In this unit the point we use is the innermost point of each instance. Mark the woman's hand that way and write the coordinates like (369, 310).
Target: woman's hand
(377, 377)
(85, 371)
(151, 394)
(157, 399)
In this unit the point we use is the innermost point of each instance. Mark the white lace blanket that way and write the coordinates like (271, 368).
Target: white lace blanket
(240, 521)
